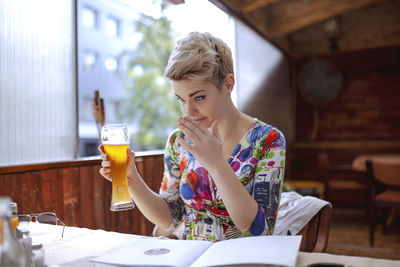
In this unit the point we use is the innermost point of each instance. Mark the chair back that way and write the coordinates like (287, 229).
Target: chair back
(386, 172)
(316, 232)
(307, 216)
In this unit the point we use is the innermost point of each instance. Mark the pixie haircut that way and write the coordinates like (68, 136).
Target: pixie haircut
(200, 56)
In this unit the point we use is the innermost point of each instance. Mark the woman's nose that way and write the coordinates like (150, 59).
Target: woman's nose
(190, 109)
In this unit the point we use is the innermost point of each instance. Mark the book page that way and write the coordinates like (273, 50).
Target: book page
(156, 252)
(270, 250)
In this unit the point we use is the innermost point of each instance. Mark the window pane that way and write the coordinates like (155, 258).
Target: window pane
(111, 64)
(112, 27)
(37, 84)
(139, 95)
(89, 18)
(90, 61)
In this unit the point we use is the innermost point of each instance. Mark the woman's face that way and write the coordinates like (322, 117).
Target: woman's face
(201, 101)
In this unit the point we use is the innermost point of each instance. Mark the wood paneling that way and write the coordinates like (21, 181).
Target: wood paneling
(77, 193)
(363, 119)
(292, 15)
(299, 28)
(371, 27)
(367, 108)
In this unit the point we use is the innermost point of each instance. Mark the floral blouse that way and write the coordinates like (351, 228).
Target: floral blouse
(258, 161)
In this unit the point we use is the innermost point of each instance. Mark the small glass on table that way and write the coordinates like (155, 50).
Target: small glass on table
(14, 216)
(115, 139)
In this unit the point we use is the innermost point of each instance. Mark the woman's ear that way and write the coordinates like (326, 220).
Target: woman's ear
(229, 82)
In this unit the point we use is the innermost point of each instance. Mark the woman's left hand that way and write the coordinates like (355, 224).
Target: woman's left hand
(207, 147)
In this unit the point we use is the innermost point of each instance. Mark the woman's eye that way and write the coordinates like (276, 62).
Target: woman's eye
(179, 99)
(200, 97)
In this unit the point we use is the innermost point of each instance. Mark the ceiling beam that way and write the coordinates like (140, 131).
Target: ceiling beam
(256, 5)
(293, 15)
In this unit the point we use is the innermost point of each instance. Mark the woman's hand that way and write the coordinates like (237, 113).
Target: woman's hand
(207, 147)
(105, 170)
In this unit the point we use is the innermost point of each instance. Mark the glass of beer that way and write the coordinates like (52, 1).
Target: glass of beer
(14, 216)
(115, 139)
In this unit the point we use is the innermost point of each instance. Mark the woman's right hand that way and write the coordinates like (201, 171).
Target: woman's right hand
(105, 170)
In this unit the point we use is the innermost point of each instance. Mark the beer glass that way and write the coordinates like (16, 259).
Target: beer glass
(115, 140)
(14, 216)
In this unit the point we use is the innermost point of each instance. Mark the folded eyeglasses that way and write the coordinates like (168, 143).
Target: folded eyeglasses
(43, 217)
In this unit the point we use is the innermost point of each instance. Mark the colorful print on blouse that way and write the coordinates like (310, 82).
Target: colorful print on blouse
(258, 161)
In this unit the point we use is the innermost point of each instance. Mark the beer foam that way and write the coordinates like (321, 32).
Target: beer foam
(112, 135)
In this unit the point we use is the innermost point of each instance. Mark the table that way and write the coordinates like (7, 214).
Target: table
(80, 244)
(359, 163)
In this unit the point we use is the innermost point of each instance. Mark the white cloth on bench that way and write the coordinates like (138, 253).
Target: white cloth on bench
(295, 211)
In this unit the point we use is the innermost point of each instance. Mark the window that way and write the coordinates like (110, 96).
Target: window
(138, 56)
(37, 84)
(90, 61)
(112, 27)
(111, 64)
(38, 112)
(89, 18)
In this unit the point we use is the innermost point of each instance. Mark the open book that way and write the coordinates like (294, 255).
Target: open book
(248, 251)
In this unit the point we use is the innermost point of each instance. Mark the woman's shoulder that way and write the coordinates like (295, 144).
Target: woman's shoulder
(264, 127)
(264, 131)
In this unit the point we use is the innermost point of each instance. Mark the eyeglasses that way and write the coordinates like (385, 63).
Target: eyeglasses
(44, 217)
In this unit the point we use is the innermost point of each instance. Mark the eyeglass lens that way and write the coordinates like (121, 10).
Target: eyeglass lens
(49, 218)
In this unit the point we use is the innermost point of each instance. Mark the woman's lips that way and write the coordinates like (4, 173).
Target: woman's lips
(199, 120)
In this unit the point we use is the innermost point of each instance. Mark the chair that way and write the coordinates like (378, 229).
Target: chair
(316, 232)
(307, 216)
(384, 190)
(335, 178)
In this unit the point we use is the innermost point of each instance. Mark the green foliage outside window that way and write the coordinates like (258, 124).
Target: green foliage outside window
(149, 102)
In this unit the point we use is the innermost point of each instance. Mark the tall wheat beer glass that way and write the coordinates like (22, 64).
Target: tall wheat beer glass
(115, 140)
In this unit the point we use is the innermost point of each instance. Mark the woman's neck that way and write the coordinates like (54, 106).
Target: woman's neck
(228, 125)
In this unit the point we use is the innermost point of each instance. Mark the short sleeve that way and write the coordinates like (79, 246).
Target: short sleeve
(268, 178)
(169, 189)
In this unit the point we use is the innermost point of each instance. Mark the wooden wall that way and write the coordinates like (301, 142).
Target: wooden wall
(364, 118)
(77, 193)
(367, 108)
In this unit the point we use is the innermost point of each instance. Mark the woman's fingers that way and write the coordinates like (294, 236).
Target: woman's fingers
(106, 173)
(105, 163)
(185, 145)
(188, 133)
(194, 131)
(131, 159)
(104, 157)
(195, 126)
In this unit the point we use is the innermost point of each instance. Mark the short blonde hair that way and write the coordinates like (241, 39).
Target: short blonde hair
(200, 56)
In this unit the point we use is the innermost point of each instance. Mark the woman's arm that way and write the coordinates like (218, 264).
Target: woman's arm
(240, 205)
(207, 149)
(149, 203)
(252, 213)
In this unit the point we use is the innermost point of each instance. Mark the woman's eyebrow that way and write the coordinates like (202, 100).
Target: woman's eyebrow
(192, 94)
(198, 91)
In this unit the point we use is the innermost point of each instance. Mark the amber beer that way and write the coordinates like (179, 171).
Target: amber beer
(14, 223)
(115, 140)
(14, 216)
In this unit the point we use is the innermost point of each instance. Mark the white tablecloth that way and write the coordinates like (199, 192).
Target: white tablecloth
(79, 244)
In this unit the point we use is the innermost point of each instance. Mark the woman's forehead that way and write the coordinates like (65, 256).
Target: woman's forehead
(188, 87)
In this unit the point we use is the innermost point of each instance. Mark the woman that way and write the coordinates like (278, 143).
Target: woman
(223, 169)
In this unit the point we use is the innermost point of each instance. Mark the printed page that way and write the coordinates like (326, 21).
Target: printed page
(156, 252)
(270, 250)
